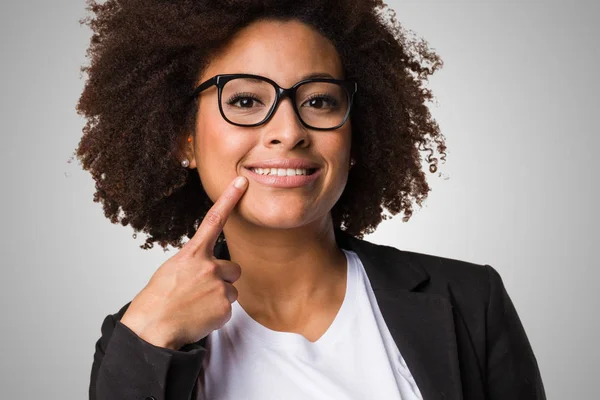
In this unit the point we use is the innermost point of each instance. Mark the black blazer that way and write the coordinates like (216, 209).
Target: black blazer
(453, 322)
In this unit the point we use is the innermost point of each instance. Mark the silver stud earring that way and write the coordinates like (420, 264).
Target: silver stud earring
(352, 162)
(185, 163)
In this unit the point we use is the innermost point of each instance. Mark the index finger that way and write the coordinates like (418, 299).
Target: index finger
(212, 224)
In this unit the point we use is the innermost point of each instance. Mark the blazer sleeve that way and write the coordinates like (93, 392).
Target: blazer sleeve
(512, 369)
(127, 367)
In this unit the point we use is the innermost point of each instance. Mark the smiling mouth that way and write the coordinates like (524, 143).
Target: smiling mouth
(285, 177)
(283, 171)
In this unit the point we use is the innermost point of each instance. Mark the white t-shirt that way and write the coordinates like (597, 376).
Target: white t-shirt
(356, 358)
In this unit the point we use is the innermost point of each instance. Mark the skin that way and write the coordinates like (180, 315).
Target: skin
(293, 274)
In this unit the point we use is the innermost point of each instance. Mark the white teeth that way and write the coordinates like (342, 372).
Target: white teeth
(280, 171)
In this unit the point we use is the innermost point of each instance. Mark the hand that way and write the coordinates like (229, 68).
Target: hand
(190, 295)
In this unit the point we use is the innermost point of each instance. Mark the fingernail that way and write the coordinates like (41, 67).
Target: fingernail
(240, 182)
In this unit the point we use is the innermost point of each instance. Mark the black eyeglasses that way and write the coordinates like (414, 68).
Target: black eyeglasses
(251, 100)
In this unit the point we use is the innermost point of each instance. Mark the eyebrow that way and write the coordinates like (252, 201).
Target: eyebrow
(318, 75)
(312, 76)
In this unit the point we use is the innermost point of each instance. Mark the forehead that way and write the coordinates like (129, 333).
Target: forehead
(285, 51)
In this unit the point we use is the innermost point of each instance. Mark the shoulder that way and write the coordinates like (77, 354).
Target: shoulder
(423, 272)
(450, 270)
(472, 289)
(476, 291)
(468, 284)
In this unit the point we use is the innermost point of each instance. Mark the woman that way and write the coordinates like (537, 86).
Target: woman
(271, 133)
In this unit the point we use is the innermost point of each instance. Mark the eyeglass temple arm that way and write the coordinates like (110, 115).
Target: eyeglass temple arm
(204, 86)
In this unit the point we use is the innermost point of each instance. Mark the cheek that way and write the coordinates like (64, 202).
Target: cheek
(337, 147)
(339, 159)
(219, 147)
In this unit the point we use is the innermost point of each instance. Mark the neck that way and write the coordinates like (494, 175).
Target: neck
(284, 269)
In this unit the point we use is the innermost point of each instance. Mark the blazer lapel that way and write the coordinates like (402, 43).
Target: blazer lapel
(421, 324)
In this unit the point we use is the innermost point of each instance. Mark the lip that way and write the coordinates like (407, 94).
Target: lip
(283, 181)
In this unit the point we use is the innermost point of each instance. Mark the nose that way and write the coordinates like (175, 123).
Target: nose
(284, 129)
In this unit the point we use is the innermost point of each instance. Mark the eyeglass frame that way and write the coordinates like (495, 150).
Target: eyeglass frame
(280, 93)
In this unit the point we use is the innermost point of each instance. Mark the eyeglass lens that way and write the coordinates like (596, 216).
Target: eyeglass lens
(248, 101)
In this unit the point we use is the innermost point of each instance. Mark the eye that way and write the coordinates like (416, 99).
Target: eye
(246, 100)
(320, 100)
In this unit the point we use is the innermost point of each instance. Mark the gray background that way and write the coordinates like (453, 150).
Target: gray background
(517, 101)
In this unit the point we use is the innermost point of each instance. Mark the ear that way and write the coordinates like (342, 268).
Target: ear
(186, 150)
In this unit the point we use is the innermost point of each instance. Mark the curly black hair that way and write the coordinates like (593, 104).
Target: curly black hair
(145, 57)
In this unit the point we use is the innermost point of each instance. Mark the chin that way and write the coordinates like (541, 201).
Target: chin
(277, 216)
